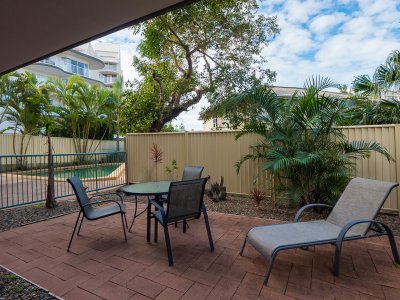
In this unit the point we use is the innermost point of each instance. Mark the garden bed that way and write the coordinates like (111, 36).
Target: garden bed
(14, 287)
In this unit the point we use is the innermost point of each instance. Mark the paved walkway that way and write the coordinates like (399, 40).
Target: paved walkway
(103, 266)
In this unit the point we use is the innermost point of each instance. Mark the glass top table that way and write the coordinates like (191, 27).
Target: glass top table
(155, 188)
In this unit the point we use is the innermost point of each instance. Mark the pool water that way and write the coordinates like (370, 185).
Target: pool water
(85, 172)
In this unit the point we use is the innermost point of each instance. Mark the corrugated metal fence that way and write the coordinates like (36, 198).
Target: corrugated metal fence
(38, 145)
(218, 151)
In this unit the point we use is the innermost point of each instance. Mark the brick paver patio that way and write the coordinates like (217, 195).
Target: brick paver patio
(103, 266)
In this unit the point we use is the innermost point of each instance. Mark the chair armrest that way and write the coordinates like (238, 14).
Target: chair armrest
(103, 201)
(105, 194)
(305, 207)
(349, 225)
(160, 208)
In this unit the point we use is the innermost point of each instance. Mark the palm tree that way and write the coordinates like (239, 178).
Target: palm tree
(87, 112)
(23, 109)
(300, 144)
(386, 78)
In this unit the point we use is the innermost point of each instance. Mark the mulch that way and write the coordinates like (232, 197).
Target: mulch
(14, 287)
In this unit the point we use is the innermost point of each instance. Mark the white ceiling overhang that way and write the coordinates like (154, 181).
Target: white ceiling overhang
(33, 30)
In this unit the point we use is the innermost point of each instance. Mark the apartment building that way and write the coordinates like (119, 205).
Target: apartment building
(98, 63)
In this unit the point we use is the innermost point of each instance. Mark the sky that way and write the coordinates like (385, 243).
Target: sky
(338, 39)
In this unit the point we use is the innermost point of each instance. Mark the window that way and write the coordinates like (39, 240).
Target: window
(108, 78)
(215, 122)
(77, 67)
(110, 66)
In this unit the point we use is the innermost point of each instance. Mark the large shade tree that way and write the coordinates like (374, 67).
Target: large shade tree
(209, 49)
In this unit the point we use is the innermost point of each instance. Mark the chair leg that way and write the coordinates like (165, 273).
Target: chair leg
(184, 226)
(168, 245)
(73, 232)
(210, 240)
(80, 225)
(123, 226)
(155, 230)
(126, 222)
(244, 245)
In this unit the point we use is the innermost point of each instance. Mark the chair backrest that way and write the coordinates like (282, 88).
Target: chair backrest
(192, 172)
(361, 199)
(185, 199)
(80, 193)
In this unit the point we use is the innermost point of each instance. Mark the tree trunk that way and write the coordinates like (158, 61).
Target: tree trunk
(50, 200)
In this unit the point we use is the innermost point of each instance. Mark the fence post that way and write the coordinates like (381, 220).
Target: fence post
(97, 181)
(186, 148)
(397, 158)
(126, 161)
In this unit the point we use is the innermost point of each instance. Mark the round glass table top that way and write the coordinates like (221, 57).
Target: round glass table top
(147, 188)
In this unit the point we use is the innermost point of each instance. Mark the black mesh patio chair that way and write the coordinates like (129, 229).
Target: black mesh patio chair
(192, 172)
(352, 218)
(90, 212)
(184, 202)
(189, 173)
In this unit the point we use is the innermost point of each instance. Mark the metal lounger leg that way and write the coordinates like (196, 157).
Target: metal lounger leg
(271, 264)
(73, 232)
(244, 245)
(392, 242)
(210, 240)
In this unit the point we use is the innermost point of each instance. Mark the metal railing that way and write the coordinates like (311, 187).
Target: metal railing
(23, 178)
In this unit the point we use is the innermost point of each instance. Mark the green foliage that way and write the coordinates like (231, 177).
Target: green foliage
(87, 112)
(24, 104)
(210, 48)
(376, 99)
(172, 169)
(300, 144)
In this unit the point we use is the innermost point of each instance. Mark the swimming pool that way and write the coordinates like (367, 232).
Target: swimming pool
(82, 172)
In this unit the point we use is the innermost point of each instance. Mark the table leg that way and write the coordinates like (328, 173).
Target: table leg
(148, 220)
(157, 199)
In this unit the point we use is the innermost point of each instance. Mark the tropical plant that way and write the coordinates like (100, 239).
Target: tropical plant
(24, 103)
(87, 112)
(377, 99)
(300, 145)
(386, 78)
(210, 48)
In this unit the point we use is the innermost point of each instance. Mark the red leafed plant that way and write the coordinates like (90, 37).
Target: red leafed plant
(156, 156)
(257, 195)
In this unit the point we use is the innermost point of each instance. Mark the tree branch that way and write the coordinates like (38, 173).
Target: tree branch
(176, 61)
(160, 84)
